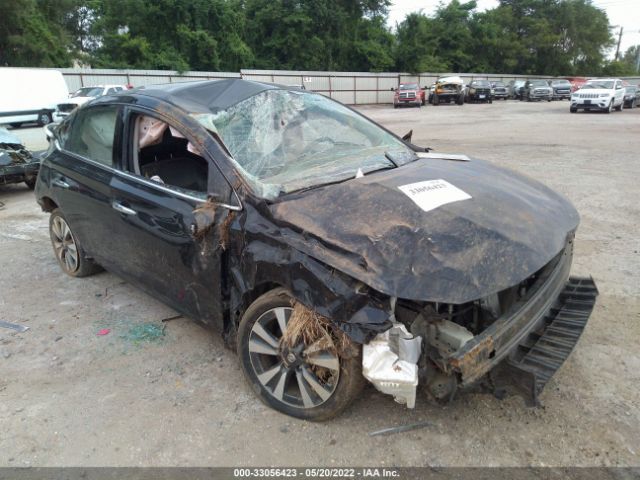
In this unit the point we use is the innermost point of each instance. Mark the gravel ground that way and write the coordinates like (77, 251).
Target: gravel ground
(71, 398)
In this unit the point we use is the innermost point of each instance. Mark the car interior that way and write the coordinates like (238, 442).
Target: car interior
(162, 154)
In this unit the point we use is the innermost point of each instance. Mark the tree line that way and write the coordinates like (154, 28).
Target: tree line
(546, 37)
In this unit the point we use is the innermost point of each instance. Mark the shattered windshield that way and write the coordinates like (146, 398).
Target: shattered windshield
(285, 140)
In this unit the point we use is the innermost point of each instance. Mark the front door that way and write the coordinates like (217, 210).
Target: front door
(162, 245)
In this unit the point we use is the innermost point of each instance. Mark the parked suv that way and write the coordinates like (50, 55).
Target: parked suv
(499, 91)
(479, 91)
(561, 89)
(603, 94)
(408, 94)
(536, 90)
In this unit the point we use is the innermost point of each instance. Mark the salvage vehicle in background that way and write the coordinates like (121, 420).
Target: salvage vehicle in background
(447, 90)
(82, 96)
(603, 94)
(536, 90)
(408, 94)
(561, 89)
(631, 96)
(515, 89)
(478, 91)
(29, 95)
(499, 91)
(17, 164)
(324, 248)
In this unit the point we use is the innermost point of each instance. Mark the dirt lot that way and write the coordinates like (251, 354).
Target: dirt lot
(69, 397)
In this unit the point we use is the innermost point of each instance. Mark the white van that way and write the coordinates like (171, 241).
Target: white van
(30, 95)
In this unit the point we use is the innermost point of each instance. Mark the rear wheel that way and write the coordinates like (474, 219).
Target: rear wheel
(68, 251)
(311, 380)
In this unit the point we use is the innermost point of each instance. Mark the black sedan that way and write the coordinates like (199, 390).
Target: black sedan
(325, 249)
(631, 96)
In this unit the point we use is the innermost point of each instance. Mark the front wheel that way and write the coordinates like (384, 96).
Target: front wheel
(44, 118)
(313, 379)
(69, 253)
(610, 107)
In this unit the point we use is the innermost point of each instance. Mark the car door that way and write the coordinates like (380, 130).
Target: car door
(81, 173)
(164, 245)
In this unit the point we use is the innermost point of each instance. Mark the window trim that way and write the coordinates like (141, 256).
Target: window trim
(127, 112)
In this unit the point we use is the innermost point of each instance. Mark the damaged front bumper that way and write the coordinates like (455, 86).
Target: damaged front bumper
(21, 172)
(518, 353)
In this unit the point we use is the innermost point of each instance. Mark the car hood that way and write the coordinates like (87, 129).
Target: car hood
(368, 228)
(596, 90)
(77, 100)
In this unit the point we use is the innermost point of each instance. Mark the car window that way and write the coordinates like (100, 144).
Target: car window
(92, 132)
(161, 152)
(111, 90)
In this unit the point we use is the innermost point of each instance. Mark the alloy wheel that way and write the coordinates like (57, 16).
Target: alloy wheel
(64, 245)
(304, 376)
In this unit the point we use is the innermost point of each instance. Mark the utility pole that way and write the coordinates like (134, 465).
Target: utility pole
(619, 40)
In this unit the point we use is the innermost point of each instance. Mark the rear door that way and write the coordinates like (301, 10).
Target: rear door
(162, 245)
(82, 172)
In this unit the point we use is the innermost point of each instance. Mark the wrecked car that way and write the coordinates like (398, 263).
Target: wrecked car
(327, 250)
(17, 164)
(447, 90)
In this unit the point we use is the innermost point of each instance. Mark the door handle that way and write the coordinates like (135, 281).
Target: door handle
(118, 207)
(61, 183)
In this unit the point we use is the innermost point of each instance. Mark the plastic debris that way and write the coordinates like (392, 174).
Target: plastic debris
(14, 326)
(401, 428)
(145, 332)
(104, 331)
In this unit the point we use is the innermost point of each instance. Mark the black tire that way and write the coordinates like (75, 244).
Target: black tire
(573, 110)
(31, 183)
(423, 101)
(490, 100)
(395, 106)
(16, 124)
(610, 107)
(460, 100)
(350, 380)
(619, 107)
(60, 241)
(44, 118)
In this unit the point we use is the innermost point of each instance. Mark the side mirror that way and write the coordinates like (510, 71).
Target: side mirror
(392, 89)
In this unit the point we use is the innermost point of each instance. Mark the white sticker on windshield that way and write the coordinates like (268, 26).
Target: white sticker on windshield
(432, 194)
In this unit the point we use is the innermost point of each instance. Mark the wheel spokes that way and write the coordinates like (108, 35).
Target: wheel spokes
(306, 398)
(281, 316)
(267, 375)
(266, 336)
(256, 346)
(324, 359)
(315, 384)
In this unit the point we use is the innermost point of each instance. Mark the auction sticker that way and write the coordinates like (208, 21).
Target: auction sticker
(432, 194)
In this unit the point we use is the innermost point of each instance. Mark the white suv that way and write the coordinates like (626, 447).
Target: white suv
(81, 97)
(599, 94)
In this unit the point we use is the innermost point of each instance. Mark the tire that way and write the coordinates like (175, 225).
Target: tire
(436, 100)
(31, 183)
(44, 118)
(528, 97)
(610, 108)
(490, 100)
(64, 243)
(395, 106)
(279, 386)
(573, 110)
(619, 107)
(460, 100)
(424, 101)
(16, 124)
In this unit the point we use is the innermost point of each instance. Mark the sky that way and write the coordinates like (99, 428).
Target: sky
(625, 13)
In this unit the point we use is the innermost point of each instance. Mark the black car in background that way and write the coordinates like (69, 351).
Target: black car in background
(325, 249)
(17, 164)
(631, 96)
(561, 89)
(499, 90)
(478, 91)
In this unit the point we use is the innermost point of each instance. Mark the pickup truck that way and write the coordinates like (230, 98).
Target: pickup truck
(408, 94)
(447, 90)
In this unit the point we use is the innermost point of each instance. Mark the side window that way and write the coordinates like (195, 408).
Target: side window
(160, 152)
(92, 133)
(111, 90)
